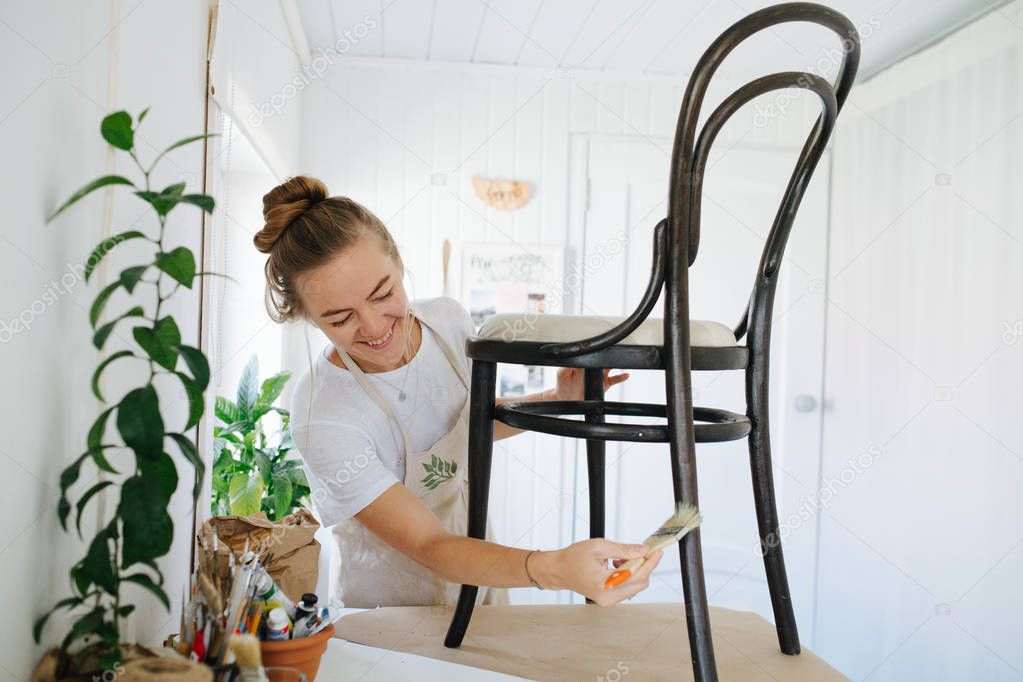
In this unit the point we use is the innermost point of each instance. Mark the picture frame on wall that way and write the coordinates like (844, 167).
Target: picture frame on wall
(513, 278)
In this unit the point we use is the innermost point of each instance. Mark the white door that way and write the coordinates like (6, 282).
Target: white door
(627, 190)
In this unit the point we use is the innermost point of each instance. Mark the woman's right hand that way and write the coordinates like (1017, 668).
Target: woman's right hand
(582, 567)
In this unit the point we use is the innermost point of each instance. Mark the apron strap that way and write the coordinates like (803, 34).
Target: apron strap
(454, 359)
(360, 377)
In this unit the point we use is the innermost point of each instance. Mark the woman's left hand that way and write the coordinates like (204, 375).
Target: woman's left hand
(570, 383)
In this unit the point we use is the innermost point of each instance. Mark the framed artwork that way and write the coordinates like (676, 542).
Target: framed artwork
(513, 278)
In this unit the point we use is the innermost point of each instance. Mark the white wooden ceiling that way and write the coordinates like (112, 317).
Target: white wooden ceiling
(637, 36)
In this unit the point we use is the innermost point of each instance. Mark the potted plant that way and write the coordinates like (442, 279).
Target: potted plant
(139, 530)
(253, 472)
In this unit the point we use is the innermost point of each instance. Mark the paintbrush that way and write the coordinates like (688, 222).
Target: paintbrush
(248, 657)
(685, 518)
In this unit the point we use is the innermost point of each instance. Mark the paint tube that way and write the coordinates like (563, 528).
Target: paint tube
(327, 615)
(278, 625)
(273, 597)
(306, 615)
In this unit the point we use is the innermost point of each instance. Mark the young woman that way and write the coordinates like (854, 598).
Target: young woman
(381, 418)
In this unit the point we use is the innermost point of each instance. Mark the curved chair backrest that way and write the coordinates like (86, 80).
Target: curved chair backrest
(690, 152)
(677, 238)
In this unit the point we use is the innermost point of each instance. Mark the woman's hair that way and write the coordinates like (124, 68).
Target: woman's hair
(305, 228)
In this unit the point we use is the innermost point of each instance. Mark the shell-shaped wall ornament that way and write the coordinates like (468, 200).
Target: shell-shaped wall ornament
(504, 195)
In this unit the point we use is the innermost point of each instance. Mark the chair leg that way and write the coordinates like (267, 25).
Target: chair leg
(701, 645)
(766, 506)
(682, 445)
(593, 389)
(482, 391)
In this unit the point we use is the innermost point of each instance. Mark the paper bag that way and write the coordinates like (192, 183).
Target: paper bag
(287, 547)
(139, 663)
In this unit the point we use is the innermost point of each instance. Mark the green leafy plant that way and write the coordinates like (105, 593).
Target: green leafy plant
(252, 472)
(140, 530)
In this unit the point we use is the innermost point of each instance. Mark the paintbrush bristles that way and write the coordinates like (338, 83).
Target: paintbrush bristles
(685, 519)
(246, 651)
(686, 515)
(248, 657)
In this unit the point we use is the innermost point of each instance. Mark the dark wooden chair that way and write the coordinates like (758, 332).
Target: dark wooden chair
(675, 344)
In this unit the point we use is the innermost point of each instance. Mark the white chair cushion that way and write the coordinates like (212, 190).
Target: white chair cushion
(545, 327)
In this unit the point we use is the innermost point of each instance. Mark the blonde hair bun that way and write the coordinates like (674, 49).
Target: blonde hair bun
(283, 204)
(305, 229)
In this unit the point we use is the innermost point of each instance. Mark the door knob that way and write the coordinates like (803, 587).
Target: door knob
(805, 403)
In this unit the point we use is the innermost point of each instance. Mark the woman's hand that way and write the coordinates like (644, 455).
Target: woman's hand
(582, 567)
(570, 383)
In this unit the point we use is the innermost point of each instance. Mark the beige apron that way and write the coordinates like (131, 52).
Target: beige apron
(372, 573)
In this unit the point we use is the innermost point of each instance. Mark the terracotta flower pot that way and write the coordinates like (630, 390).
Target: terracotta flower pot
(303, 653)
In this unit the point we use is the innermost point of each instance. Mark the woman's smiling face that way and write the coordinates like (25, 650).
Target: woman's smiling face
(357, 299)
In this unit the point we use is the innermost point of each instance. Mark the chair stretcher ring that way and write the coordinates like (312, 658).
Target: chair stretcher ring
(546, 417)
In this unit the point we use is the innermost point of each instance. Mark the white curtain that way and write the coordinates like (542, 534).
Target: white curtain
(921, 549)
(258, 114)
(259, 84)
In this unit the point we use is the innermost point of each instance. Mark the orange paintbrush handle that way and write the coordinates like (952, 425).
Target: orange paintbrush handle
(624, 572)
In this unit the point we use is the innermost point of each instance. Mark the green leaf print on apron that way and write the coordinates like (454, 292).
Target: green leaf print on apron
(372, 573)
(438, 471)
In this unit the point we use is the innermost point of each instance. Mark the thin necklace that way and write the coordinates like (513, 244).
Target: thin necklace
(401, 391)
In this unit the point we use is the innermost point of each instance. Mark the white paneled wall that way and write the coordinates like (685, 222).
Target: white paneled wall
(65, 66)
(405, 137)
(922, 549)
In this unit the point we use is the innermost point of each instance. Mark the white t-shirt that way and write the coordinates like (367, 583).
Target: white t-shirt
(352, 450)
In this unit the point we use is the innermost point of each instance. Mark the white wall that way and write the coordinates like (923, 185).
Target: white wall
(921, 550)
(56, 58)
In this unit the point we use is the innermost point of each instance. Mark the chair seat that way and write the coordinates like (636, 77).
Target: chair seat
(549, 328)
